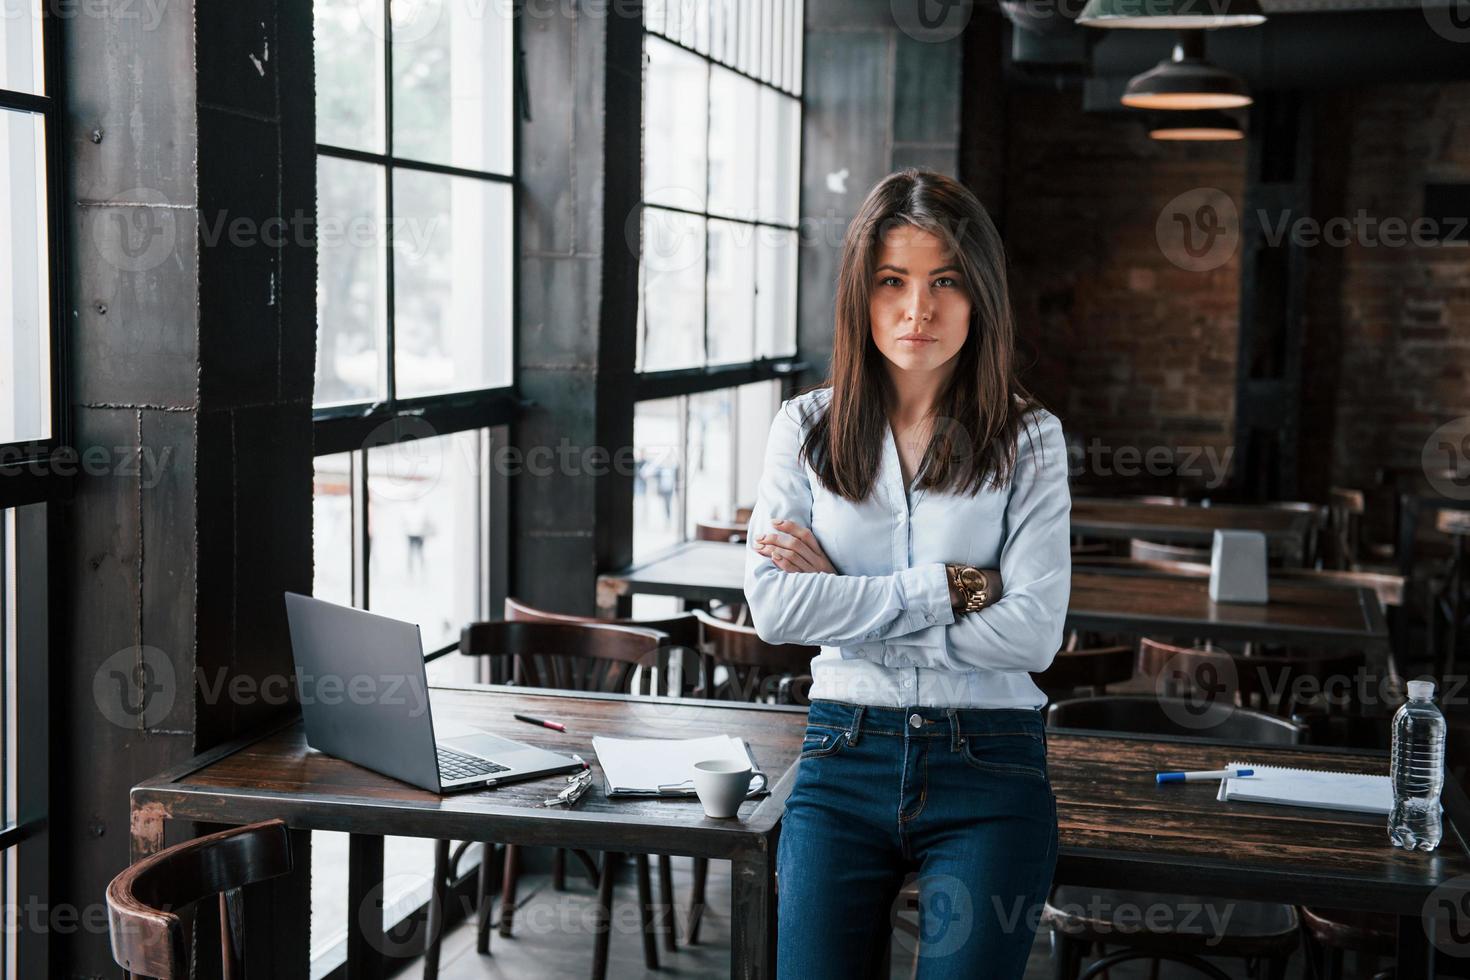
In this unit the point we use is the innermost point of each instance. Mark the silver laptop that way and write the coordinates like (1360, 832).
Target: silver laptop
(365, 698)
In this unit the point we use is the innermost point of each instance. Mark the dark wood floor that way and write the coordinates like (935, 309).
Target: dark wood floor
(553, 938)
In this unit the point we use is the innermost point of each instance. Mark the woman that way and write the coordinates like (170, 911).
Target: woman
(913, 520)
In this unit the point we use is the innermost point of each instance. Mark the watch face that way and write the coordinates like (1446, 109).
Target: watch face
(970, 578)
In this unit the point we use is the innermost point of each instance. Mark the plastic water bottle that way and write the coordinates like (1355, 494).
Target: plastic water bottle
(1417, 770)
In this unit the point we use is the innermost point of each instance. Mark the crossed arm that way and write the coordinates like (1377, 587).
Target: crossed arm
(796, 595)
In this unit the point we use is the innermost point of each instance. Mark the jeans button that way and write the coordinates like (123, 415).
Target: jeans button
(915, 721)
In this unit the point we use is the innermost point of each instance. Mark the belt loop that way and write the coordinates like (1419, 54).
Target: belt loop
(857, 725)
(954, 729)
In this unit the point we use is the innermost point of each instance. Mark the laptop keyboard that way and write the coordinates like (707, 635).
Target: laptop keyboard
(457, 765)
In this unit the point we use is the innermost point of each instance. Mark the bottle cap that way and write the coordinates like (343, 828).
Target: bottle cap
(1421, 690)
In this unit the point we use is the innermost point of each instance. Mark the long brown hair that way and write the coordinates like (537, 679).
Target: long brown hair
(978, 416)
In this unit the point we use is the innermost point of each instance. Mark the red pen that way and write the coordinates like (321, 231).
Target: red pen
(553, 725)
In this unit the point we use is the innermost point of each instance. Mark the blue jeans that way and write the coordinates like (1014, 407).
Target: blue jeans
(957, 799)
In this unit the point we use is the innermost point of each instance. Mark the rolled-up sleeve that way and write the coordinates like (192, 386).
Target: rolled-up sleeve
(1023, 630)
(822, 608)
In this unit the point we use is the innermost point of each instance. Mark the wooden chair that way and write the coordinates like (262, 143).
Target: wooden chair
(1093, 669)
(1448, 605)
(151, 905)
(754, 671)
(730, 531)
(571, 656)
(1316, 528)
(1280, 683)
(1345, 548)
(744, 514)
(753, 668)
(1078, 916)
(1141, 550)
(684, 637)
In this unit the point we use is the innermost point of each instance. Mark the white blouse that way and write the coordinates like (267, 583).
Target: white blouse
(888, 633)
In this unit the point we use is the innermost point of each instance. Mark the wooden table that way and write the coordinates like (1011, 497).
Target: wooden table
(1113, 601)
(1116, 825)
(277, 775)
(1120, 829)
(1286, 531)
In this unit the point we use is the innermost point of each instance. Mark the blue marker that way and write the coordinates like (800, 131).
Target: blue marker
(1190, 777)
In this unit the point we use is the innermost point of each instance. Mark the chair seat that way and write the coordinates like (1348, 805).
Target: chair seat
(1169, 923)
(1362, 932)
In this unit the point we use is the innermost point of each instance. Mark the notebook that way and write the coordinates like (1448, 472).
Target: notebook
(665, 766)
(1309, 787)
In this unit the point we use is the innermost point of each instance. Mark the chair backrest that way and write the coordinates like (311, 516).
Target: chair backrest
(755, 667)
(1153, 551)
(1456, 522)
(151, 905)
(1146, 715)
(683, 629)
(571, 656)
(1390, 588)
(721, 531)
(1346, 507)
(1095, 668)
(1185, 569)
(1280, 683)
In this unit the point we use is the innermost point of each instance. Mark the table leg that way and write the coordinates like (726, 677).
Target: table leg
(753, 917)
(365, 939)
(1416, 950)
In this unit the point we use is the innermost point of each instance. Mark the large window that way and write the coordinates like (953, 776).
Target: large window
(415, 199)
(415, 335)
(31, 428)
(721, 180)
(717, 307)
(29, 297)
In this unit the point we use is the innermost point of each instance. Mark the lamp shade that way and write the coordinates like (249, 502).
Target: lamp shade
(1201, 126)
(1186, 81)
(1171, 14)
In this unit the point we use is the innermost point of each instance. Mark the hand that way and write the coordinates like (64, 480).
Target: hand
(793, 548)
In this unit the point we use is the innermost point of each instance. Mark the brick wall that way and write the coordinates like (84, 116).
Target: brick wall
(1132, 350)
(1405, 311)
(1127, 347)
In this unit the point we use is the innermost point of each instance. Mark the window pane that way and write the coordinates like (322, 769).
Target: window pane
(452, 85)
(756, 405)
(674, 109)
(349, 73)
(25, 294)
(22, 67)
(780, 141)
(331, 528)
(351, 281)
(723, 30)
(710, 457)
(731, 303)
(734, 102)
(655, 15)
(451, 283)
(658, 447)
(671, 296)
(775, 283)
(701, 25)
(799, 14)
(426, 534)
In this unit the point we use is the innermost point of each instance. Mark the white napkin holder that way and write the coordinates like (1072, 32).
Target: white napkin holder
(1238, 567)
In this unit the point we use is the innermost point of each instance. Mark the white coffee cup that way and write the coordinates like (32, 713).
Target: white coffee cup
(721, 785)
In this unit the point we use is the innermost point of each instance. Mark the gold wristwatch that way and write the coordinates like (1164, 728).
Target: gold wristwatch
(972, 583)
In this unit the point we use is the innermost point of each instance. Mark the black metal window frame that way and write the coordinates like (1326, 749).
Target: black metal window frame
(26, 473)
(345, 427)
(652, 385)
(357, 429)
